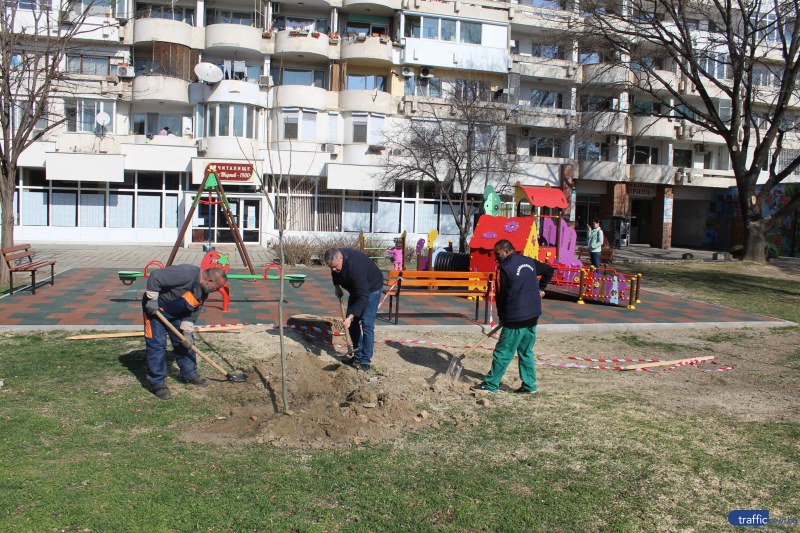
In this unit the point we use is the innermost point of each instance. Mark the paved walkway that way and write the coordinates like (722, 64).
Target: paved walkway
(88, 295)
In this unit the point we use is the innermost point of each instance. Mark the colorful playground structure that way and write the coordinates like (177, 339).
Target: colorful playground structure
(545, 235)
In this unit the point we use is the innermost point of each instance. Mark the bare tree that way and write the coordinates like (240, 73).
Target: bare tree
(722, 67)
(35, 38)
(458, 143)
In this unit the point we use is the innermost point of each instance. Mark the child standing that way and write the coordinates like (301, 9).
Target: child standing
(397, 255)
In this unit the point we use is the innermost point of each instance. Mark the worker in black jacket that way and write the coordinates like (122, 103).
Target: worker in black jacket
(178, 292)
(354, 271)
(519, 304)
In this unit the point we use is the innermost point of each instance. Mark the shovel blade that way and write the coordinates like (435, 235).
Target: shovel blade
(237, 377)
(455, 368)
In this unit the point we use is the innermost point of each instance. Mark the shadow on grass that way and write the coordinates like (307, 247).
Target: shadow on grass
(435, 359)
(136, 363)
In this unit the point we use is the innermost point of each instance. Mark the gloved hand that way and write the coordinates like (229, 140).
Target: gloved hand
(187, 328)
(188, 341)
(151, 306)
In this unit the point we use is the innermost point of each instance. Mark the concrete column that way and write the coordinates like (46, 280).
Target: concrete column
(661, 236)
(568, 186)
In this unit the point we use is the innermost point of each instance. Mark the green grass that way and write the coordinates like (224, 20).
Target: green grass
(85, 447)
(736, 284)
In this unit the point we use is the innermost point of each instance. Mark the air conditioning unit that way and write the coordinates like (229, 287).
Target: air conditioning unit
(682, 85)
(329, 148)
(202, 145)
(408, 72)
(679, 130)
(426, 72)
(525, 132)
(265, 81)
(700, 148)
(570, 71)
(125, 71)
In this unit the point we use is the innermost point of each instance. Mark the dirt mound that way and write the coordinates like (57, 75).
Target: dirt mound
(330, 404)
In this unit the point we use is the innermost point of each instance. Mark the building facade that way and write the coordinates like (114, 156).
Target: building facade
(308, 90)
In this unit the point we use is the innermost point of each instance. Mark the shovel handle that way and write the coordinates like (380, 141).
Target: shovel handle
(494, 330)
(346, 330)
(180, 336)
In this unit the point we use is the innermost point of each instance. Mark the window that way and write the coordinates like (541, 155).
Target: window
(366, 82)
(786, 157)
(226, 16)
(41, 5)
(682, 111)
(82, 115)
(430, 28)
(682, 158)
(308, 129)
(431, 87)
(724, 108)
(645, 155)
(359, 129)
(22, 108)
(469, 89)
(290, 125)
(647, 63)
(98, 66)
(167, 12)
(547, 51)
(470, 32)
(592, 151)
(588, 57)
(766, 26)
(544, 4)
(716, 66)
(594, 102)
(544, 147)
(297, 76)
(641, 108)
(549, 99)
(296, 23)
(448, 32)
(152, 123)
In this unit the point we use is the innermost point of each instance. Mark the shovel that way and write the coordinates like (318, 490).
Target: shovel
(346, 331)
(456, 366)
(236, 377)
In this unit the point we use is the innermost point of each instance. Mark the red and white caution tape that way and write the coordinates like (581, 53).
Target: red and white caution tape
(613, 360)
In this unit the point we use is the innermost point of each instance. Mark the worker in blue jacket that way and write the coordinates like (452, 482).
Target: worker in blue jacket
(179, 292)
(519, 304)
(356, 272)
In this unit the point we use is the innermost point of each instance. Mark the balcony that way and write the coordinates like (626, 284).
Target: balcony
(147, 30)
(363, 50)
(552, 69)
(158, 88)
(231, 148)
(384, 8)
(302, 45)
(526, 17)
(302, 96)
(604, 74)
(652, 127)
(603, 171)
(233, 38)
(369, 101)
(652, 173)
(228, 91)
(606, 122)
(540, 117)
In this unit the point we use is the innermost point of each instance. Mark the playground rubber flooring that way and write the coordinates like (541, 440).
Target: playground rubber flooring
(91, 297)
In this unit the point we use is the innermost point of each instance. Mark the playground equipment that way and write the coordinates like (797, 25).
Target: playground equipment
(548, 238)
(373, 246)
(215, 259)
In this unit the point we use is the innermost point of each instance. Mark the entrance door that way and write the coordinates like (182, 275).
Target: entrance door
(209, 225)
(641, 220)
(587, 208)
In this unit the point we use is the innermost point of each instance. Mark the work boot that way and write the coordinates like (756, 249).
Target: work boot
(162, 392)
(482, 387)
(351, 362)
(523, 390)
(364, 367)
(198, 380)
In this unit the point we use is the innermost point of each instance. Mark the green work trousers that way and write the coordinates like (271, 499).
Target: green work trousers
(521, 341)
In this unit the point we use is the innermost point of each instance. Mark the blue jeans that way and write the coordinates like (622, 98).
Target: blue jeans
(155, 339)
(362, 330)
(595, 258)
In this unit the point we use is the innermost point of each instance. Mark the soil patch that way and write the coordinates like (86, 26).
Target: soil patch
(332, 405)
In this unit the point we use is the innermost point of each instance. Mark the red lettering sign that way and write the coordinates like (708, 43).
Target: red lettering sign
(231, 171)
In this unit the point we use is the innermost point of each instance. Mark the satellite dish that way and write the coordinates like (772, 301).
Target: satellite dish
(208, 72)
(102, 118)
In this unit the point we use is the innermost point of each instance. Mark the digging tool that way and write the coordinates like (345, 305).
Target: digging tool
(456, 366)
(346, 330)
(236, 377)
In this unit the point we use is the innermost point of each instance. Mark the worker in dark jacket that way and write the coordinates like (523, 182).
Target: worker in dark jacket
(519, 304)
(178, 292)
(354, 271)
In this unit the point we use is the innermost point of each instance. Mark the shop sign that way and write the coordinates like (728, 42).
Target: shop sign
(232, 171)
(642, 190)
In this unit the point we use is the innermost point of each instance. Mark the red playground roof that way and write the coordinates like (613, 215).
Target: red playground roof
(540, 196)
(492, 229)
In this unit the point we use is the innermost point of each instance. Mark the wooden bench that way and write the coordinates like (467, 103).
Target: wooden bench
(606, 254)
(408, 283)
(20, 258)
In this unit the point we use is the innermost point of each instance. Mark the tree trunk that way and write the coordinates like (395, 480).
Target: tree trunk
(7, 218)
(755, 241)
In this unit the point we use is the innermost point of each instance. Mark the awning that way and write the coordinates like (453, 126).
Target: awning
(75, 166)
(540, 196)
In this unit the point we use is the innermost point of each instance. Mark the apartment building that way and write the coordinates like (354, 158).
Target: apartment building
(308, 89)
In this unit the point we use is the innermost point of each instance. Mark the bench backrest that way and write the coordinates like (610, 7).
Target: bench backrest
(478, 281)
(14, 254)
